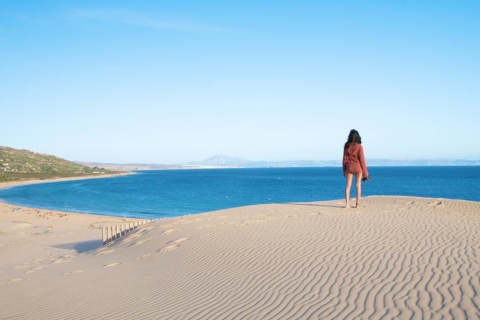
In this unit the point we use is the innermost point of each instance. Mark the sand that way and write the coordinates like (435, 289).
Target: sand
(393, 258)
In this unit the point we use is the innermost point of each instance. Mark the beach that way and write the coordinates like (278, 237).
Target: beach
(392, 258)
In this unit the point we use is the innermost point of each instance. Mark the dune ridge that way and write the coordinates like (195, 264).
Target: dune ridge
(393, 258)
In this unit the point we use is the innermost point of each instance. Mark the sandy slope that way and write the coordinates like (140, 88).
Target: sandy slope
(396, 257)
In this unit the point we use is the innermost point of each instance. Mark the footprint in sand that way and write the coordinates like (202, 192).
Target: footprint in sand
(131, 238)
(173, 245)
(436, 203)
(180, 240)
(183, 222)
(169, 248)
(22, 267)
(170, 231)
(145, 230)
(104, 252)
(296, 216)
(35, 269)
(204, 227)
(139, 242)
(58, 261)
(74, 272)
(111, 264)
(144, 256)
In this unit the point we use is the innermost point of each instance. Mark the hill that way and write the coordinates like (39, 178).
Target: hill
(17, 165)
(226, 161)
(221, 161)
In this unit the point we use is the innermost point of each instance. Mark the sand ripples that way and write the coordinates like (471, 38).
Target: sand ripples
(394, 258)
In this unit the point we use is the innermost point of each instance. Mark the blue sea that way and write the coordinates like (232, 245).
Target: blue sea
(169, 193)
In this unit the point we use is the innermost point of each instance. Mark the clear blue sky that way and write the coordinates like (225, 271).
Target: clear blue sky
(177, 81)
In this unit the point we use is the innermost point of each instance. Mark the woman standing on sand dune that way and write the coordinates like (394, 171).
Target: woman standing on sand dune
(354, 164)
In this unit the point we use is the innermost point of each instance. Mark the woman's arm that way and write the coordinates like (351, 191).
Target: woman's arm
(361, 158)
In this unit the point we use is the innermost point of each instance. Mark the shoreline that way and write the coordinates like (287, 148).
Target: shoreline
(5, 185)
(10, 184)
(34, 233)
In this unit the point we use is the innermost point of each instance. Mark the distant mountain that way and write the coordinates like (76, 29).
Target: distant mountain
(221, 161)
(422, 162)
(24, 164)
(232, 162)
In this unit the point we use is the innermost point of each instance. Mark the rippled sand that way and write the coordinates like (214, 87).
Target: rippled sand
(393, 258)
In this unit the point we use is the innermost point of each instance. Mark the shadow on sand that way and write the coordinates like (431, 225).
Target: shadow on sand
(80, 247)
(317, 205)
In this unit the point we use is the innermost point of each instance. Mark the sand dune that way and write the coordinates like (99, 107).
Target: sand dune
(393, 258)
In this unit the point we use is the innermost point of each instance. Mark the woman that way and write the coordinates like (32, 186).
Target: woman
(354, 164)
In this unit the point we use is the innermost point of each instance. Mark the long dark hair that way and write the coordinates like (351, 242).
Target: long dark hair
(353, 137)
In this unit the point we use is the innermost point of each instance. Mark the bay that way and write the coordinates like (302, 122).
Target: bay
(169, 193)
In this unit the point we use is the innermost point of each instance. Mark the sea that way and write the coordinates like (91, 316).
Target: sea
(170, 193)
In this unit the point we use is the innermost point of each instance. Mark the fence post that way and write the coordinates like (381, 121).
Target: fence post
(115, 232)
(104, 236)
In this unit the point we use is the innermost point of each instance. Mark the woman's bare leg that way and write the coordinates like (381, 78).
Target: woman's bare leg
(348, 185)
(358, 187)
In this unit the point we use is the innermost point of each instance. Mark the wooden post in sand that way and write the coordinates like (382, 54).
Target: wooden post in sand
(115, 232)
(104, 235)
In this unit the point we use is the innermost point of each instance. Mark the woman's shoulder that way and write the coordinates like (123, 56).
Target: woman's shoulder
(355, 146)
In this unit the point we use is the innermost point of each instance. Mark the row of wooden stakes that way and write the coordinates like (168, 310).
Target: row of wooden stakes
(115, 232)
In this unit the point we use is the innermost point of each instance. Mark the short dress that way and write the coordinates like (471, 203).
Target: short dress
(354, 160)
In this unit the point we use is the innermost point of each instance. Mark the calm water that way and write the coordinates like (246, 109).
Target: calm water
(156, 194)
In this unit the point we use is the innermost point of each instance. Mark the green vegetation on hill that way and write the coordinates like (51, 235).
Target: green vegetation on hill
(17, 165)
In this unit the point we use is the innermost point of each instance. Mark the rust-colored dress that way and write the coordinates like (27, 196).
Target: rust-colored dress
(354, 160)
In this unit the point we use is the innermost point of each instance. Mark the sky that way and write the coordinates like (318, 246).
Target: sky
(171, 82)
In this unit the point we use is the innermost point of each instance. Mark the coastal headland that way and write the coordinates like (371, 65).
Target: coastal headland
(392, 258)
